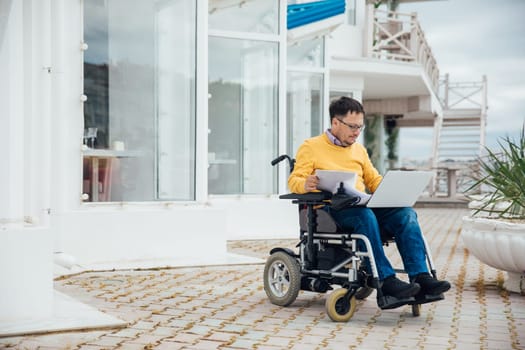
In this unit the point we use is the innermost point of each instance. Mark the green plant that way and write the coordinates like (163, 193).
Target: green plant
(503, 173)
(391, 142)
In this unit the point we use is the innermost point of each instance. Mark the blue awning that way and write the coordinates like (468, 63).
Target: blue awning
(301, 14)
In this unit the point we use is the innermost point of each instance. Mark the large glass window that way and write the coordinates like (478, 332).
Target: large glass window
(304, 107)
(242, 115)
(255, 16)
(139, 116)
(305, 86)
(306, 53)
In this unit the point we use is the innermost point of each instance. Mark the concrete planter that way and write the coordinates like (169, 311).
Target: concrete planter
(500, 244)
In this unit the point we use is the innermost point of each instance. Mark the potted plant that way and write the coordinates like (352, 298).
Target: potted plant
(495, 231)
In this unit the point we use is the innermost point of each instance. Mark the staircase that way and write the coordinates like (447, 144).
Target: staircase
(461, 135)
(460, 132)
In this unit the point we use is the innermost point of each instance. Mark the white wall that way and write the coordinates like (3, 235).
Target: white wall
(26, 288)
(134, 232)
(340, 81)
(258, 217)
(346, 41)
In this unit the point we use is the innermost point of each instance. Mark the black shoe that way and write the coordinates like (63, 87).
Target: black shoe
(430, 285)
(392, 286)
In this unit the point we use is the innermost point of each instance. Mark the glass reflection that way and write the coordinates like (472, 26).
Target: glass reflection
(242, 115)
(139, 79)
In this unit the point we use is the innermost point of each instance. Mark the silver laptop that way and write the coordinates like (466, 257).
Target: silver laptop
(399, 189)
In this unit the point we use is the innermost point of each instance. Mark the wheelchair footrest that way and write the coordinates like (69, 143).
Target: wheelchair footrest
(426, 298)
(386, 302)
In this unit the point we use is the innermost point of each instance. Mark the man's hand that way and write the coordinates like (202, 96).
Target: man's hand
(311, 183)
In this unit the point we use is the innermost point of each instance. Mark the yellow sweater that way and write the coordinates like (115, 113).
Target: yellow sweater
(320, 153)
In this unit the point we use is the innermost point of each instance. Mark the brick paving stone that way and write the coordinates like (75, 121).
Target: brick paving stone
(90, 347)
(406, 342)
(212, 322)
(312, 339)
(179, 323)
(372, 344)
(461, 345)
(130, 346)
(302, 346)
(200, 330)
(221, 336)
(279, 341)
(255, 335)
(505, 335)
(184, 337)
(247, 320)
(169, 345)
(129, 315)
(269, 347)
(171, 311)
(148, 338)
(144, 325)
(107, 341)
(243, 343)
(233, 328)
(436, 340)
(205, 345)
(288, 333)
(267, 326)
(164, 331)
(225, 315)
(160, 319)
(192, 316)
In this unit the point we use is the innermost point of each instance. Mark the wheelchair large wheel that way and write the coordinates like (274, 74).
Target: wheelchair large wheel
(282, 279)
(339, 307)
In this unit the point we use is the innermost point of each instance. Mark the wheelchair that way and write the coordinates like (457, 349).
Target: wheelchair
(328, 256)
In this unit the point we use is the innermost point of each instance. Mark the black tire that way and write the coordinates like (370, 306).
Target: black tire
(339, 307)
(282, 278)
(363, 293)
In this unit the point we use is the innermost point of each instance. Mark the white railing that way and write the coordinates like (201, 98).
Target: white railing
(463, 94)
(399, 37)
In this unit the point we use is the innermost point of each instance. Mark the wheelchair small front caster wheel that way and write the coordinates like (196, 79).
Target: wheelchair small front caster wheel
(282, 278)
(339, 307)
(363, 293)
(416, 310)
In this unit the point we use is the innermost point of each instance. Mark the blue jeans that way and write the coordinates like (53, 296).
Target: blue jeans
(401, 223)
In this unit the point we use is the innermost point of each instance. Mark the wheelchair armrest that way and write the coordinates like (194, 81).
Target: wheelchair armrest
(308, 197)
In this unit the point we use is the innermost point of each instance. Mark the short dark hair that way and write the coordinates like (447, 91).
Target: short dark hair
(343, 105)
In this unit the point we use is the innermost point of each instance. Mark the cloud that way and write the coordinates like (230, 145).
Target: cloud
(515, 93)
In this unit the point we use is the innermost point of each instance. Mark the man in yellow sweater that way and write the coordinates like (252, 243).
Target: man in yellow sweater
(337, 149)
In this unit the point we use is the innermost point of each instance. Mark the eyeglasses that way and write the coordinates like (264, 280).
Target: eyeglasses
(353, 127)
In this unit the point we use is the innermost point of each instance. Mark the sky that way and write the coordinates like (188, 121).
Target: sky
(469, 39)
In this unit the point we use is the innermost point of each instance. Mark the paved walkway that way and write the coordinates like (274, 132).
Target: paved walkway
(225, 307)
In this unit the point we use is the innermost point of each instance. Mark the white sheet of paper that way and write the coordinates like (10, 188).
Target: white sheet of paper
(330, 180)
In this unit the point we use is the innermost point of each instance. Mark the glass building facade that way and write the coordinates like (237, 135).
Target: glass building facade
(140, 121)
